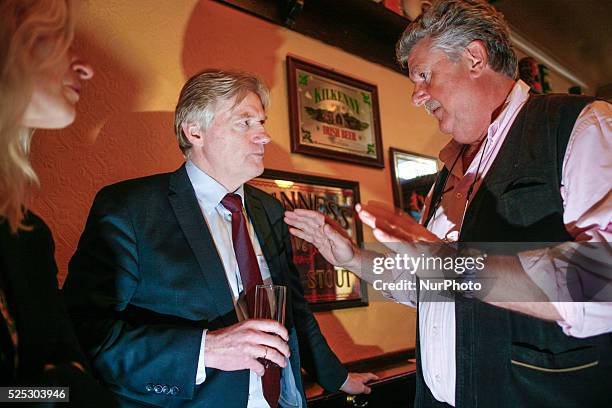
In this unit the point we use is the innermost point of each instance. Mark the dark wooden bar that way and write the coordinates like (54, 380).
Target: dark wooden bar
(394, 389)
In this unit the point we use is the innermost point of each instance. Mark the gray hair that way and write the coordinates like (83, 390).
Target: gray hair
(452, 25)
(204, 91)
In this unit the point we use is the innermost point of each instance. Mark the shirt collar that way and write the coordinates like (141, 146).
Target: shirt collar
(515, 100)
(449, 154)
(209, 191)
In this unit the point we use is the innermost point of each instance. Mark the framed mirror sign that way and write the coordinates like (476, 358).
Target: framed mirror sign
(325, 286)
(412, 176)
(332, 115)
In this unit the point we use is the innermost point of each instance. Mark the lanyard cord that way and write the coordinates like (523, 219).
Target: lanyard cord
(434, 207)
(469, 193)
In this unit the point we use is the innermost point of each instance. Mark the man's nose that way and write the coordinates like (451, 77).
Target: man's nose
(419, 95)
(261, 136)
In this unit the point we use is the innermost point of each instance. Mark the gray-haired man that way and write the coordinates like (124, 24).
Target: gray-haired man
(161, 286)
(520, 168)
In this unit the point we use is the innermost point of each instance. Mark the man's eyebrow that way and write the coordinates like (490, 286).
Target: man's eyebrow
(246, 115)
(412, 73)
(415, 71)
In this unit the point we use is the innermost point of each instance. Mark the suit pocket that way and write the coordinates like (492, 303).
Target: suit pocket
(564, 362)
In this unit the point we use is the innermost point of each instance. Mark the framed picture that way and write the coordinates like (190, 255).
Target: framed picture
(333, 115)
(412, 176)
(325, 286)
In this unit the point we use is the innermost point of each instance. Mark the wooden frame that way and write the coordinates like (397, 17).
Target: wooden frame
(332, 115)
(325, 287)
(409, 192)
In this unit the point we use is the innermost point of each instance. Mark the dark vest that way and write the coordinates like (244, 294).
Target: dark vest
(506, 359)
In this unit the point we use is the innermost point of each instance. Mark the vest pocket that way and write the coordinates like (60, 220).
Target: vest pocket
(526, 203)
(567, 379)
(525, 357)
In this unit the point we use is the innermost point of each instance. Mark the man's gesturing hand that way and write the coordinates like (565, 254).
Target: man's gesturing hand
(238, 347)
(313, 227)
(392, 225)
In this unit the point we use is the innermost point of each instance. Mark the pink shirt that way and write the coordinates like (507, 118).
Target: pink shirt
(587, 199)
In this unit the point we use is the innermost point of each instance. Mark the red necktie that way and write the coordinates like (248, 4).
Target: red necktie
(251, 277)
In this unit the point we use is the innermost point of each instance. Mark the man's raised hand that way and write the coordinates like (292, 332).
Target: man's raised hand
(329, 239)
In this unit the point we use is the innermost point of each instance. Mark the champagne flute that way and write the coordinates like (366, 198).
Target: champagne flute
(270, 301)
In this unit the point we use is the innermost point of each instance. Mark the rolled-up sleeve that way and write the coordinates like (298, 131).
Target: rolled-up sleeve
(585, 319)
(587, 197)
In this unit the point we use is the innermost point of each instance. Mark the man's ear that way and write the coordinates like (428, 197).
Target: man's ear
(193, 132)
(477, 57)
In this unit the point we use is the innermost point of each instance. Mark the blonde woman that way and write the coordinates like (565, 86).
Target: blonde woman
(40, 80)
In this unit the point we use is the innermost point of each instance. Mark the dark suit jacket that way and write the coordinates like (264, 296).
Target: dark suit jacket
(146, 279)
(45, 334)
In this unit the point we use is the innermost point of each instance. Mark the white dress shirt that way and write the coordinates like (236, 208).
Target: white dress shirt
(219, 220)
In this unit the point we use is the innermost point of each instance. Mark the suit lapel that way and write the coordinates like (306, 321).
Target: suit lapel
(190, 219)
(265, 235)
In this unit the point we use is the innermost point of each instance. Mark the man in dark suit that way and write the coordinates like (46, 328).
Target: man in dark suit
(161, 286)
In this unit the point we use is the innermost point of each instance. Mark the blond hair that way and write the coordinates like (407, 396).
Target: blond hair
(202, 92)
(34, 35)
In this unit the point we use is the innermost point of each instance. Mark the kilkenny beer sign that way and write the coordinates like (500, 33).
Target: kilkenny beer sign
(325, 287)
(333, 115)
